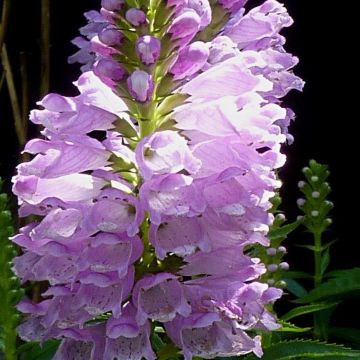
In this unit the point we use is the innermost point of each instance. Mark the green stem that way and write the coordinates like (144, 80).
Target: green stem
(146, 127)
(10, 291)
(317, 255)
(318, 333)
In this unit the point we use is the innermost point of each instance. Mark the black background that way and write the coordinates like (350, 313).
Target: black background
(323, 36)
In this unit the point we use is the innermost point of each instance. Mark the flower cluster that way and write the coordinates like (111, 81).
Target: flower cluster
(150, 186)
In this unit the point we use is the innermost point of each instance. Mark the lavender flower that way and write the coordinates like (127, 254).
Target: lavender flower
(151, 223)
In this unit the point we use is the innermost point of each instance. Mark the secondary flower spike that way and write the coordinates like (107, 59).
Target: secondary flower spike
(150, 186)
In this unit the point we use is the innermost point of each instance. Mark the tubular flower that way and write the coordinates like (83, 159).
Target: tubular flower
(150, 185)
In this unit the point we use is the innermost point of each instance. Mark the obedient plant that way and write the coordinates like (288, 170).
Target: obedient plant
(148, 188)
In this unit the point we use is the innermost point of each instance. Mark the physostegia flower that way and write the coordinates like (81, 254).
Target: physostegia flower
(150, 185)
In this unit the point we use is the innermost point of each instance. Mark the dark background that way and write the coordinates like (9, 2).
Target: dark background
(323, 36)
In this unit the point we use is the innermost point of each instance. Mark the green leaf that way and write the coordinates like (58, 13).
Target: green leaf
(348, 335)
(306, 309)
(295, 288)
(325, 261)
(289, 327)
(342, 273)
(283, 231)
(44, 352)
(307, 349)
(344, 284)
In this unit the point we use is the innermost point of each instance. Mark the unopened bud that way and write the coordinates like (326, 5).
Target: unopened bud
(140, 85)
(315, 194)
(110, 36)
(272, 267)
(112, 5)
(135, 17)
(301, 184)
(284, 266)
(282, 249)
(271, 252)
(314, 178)
(148, 49)
(301, 202)
(109, 69)
(191, 59)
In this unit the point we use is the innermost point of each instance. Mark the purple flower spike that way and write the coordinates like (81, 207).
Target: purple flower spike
(110, 36)
(135, 17)
(140, 85)
(112, 5)
(159, 297)
(148, 49)
(150, 225)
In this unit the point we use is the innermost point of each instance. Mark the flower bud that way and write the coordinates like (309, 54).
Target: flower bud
(271, 252)
(112, 5)
(314, 178)
(185, 25)
(280, 217)
(135, 17)
(328, 221)
(148, 49)
(109, 69)
(140, 85)
(315, 194)
(110, 36)
(301, 184)
(284, 266)
(272, 267)
(191, 59)
(300, 202)
(282, 249)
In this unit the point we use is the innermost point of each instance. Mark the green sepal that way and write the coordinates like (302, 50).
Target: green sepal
(125, 128)
(170, 103)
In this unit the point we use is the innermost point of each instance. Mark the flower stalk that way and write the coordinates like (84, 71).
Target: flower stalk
(316, 209)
